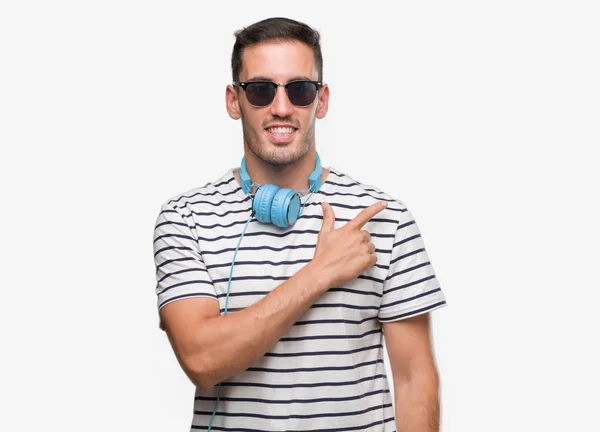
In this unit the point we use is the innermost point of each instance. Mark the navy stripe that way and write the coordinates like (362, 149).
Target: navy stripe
(373, 278)
(320, 353)
(317, 369)
(191, 269)
(169, 222)
(174, 235)
(329, 337)
(418, 266)
(381, 266)
(294, 401)
(314, 306)
(168, 210)
(413, 312)
(159, 251)
(274, 249)
(244, 278)
(220, 203)
(409, 284)
(164, 263)
(329, 429)
(280, 278)
(280, 235)
(275, 264)
(302, 385)
(341, 219)
(425, 294)
(351, 207)
(184, 283)
(353, 291)
(295, 416)
(240, 222)
(406, 255)
(170, 299)
(228, 182)
(260, 233)
(404, 225)
(256, 248)
(334, 321)
(407, 239)
(247, 210)
(344, 305)
(360, 195)
(262, 293)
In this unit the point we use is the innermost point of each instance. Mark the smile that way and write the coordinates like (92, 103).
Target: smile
(281, 134)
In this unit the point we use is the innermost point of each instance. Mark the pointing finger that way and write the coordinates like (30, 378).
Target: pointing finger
(366, 214)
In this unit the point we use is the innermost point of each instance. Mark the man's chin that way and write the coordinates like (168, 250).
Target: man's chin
(280, 153)
(280, 144)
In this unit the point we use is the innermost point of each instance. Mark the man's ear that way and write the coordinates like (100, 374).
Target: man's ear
(323, 101)
(232, 102)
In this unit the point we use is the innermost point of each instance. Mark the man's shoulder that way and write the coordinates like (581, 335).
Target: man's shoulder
(344, 184)
(218, 189)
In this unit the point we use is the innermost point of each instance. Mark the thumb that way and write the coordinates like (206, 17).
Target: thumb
(328, 217)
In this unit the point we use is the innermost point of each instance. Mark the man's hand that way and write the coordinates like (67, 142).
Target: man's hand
(344, 253)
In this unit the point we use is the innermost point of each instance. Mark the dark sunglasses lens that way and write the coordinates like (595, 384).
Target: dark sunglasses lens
(302, 93)
(260, 94)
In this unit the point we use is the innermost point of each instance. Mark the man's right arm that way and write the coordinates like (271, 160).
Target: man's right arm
(211, 348)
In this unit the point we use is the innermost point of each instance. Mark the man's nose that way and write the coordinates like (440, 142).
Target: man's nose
(281, 105)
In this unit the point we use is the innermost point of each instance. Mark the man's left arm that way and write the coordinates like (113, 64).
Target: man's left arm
(415, 375)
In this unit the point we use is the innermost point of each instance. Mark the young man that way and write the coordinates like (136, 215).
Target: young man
(276, 299)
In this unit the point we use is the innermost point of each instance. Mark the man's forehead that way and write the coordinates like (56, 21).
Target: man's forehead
(278, 61)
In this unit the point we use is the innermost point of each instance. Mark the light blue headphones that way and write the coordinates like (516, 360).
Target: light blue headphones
(279, 206)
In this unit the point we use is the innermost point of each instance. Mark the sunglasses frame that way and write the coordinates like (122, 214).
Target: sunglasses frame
(244, 84)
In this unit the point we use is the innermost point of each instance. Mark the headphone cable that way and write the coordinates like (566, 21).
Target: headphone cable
(226, 307)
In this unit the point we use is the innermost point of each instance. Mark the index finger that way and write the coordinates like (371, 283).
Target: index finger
(366, 214)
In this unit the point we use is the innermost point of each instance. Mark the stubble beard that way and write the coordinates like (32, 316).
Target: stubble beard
(278, 157)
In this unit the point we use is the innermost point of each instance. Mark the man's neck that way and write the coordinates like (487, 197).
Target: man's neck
(294, 176)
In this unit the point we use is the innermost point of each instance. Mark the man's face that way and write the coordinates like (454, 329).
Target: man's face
(280, 63)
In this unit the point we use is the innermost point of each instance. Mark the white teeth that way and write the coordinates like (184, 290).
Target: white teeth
(281, 130)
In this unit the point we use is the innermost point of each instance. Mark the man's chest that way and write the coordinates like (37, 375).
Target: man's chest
(267, 256)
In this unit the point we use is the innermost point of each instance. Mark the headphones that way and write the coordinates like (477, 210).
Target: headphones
(279, 206)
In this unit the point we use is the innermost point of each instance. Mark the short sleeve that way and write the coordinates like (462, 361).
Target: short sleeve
(180, 269)
(411, 286)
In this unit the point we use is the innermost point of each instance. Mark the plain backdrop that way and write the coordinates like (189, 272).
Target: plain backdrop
(482, 117)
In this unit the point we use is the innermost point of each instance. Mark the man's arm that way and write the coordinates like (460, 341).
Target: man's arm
(211, 347)
(416, 380)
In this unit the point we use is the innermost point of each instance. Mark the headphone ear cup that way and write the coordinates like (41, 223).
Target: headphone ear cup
(285, 208)
(262, 202)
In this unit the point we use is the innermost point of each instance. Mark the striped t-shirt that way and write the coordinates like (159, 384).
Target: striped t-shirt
(327, 372)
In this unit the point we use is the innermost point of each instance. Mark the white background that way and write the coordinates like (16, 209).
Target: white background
(483, 117)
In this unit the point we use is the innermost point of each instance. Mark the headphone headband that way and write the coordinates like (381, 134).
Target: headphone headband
(314, 180)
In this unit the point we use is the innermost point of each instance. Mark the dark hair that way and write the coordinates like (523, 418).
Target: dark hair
(278, 30)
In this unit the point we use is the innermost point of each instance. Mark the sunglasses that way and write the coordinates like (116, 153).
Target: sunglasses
(301, 93)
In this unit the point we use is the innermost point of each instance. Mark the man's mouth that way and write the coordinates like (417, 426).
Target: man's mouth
(281, 133)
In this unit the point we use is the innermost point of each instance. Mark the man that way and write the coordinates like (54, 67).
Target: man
(278, 314)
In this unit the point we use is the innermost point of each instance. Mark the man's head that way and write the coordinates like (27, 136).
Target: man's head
(278, 50)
